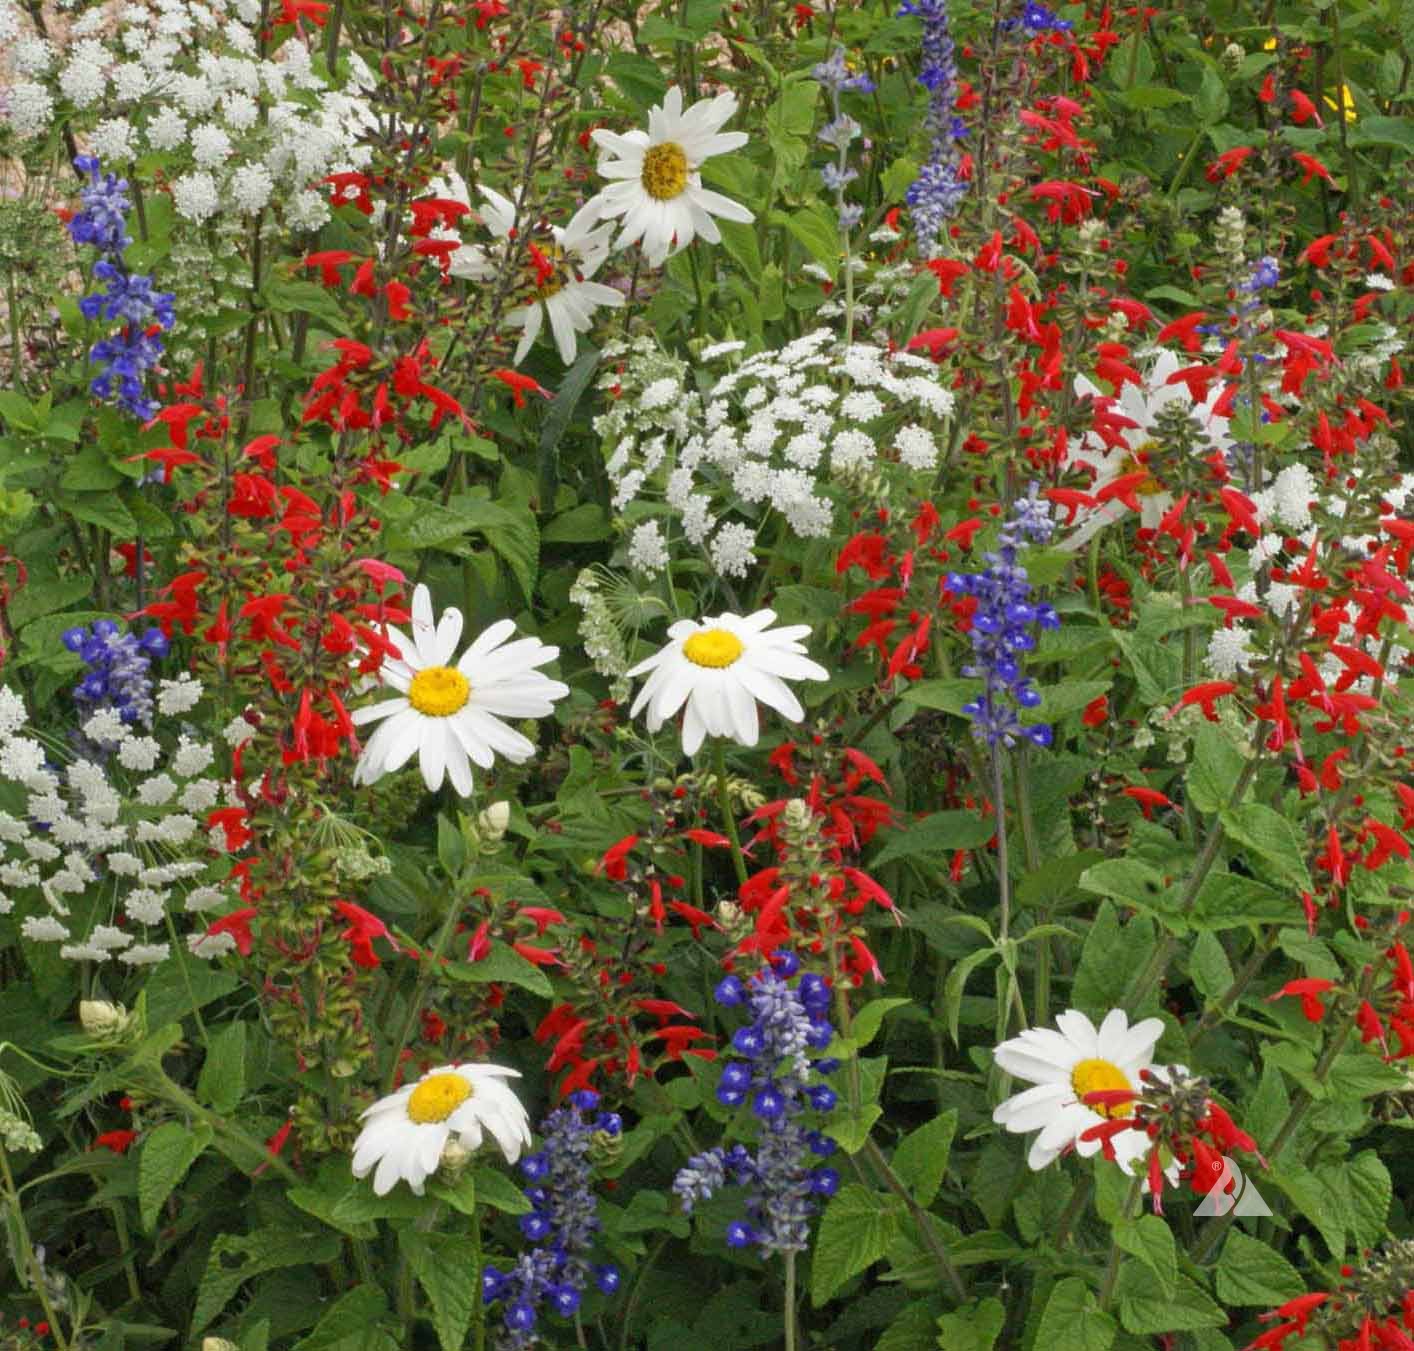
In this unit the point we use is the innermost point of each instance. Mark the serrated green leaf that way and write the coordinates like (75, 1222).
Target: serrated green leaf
(1255, 1274)
(1072, 1321)
(1273, 837)
(940, 833)
(1216, 765)
(974, 1327)
(921, 1159)
(855, 1232)
(222, 1081)
(1150, 1240)
(263, 1250)
(167, 1153)
(502, 964)
(1145, 1307)
(500, 1193)
(1371, 1191)
(351, 1324)
(1209, 967)
(445, 1266)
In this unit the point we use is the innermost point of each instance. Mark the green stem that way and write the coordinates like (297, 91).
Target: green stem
(179, 955)
(31, 1260)
(1168, 945)
(1003, 867)
(478, 1316)
(120, 1227)
(719, 760)
(951, 1277)
(424, 978)
(1131, 1201)
(789, 1310)
(163, 1087)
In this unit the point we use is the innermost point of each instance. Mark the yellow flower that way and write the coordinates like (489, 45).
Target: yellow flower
(1346, 106)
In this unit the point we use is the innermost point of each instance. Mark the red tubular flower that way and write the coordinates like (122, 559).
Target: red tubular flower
(363, 929)
(615, 861)
(1148, 799)
(237, 924)
(1205, 696)
(1308, 989)
(117, 1141)
(520, 385)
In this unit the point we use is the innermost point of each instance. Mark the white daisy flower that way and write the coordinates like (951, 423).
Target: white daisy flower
(405, 1133)
(719, 668)
(1066, 1065)
(449, 715)
(561, 275)
(1140, 406)
(659, 192)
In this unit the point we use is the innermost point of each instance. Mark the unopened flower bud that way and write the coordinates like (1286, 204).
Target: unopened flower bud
(455, 1156)
(218, 1344)
(101, 1018)
(493, 821)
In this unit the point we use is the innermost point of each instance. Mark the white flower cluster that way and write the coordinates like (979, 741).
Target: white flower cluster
(1292, 507)
(103, 850)
(184, 78)
(774, 434)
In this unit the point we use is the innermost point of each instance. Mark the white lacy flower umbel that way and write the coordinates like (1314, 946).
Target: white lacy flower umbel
(405, 1133)
(720, 667)
(449, 716)
(1066, 1065)
(561, 274)
(1142, 406)
(659, 194)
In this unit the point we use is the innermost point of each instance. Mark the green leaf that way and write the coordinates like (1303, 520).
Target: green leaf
(502, 964)
(974, 1327)
(451, 847)
(1211, 100)
(167, 1153)
(940, 833)
(1072, 1321)
(584, 524)
(1255, 1274)
(1150, 1240)
(816, 228)
(351, 1324)
(948, 696)
(1273, 837)
(18, 412)
(1113, 954)
(855, 1232)
(1217, 763)
(459, 1193)
(1127, 880)
(500, 1193)
(921, 1158)
(956, 981)
(236, 1258)
(1371, 1192)
(1209, 967)
(222, 1080)
(849, 1127)
(739, 240)
(1146, 1307)
(557, 420)
(1144, 97)
(867, 1022)
(445, 1267)
(1230, 901)
(1392, 131)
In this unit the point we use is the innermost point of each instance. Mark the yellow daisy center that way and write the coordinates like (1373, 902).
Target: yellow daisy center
(1138, 460)
(437, 1097)
(713, 647)
(550, 275)
(664, 171)
(439, 691)
(1097, 1076)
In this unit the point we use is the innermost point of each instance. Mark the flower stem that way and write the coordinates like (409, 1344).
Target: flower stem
(789, 1311)
(432, 961)
(1131, 1202)
(1003, 877)
(27, 1254)
(719, 760)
